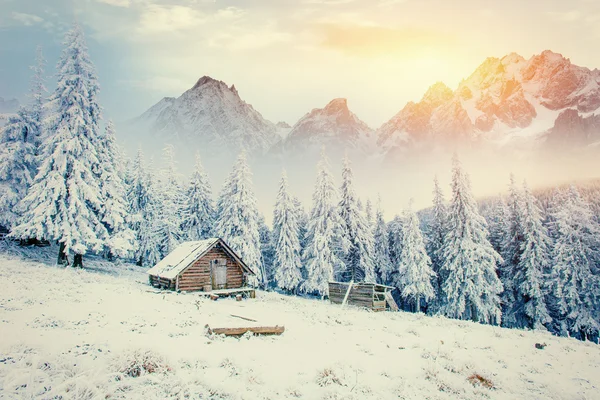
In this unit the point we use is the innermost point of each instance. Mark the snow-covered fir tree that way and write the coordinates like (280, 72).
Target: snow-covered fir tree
(65, 200)
(324, 241)
(237, 221)
(138, 196)
(436, 234)
(172, 200)
(267, 251)
(575, 277)
(471, 287)
(511, 253)
(395, 239)
(20, 142)
(359, 258)
(199, 210)
(530, 276)
(149, 225)
(498, 224)
(287, 261)
(414, 270)
(302, 219)
(381, 258)
(369, 214)
(115, 208)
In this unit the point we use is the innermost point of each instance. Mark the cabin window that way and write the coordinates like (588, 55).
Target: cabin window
(219, 270)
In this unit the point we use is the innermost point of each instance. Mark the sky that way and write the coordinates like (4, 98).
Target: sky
(287, 57)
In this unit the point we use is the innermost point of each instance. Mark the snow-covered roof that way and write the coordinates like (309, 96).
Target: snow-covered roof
(185, 254)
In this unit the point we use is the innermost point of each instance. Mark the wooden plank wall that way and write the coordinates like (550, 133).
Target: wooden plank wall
(198, 274)
(360, 295)
(162, 283)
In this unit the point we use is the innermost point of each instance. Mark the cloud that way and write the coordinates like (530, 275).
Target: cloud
(116, 3)
(26, 19)
(169, 18)
(368, 40)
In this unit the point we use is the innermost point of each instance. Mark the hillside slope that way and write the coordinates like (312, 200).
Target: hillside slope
(88, 334)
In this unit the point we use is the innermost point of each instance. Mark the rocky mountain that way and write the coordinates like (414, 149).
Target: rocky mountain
(211, 116)
(505, 101)
(333, 126)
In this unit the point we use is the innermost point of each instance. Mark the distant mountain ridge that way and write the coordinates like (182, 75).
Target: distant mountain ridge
(508, 101)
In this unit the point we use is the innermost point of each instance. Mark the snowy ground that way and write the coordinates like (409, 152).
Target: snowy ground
(76, 334)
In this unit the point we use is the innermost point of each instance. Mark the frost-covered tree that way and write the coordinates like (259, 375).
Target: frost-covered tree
(575, 278)
(148, 233)
(198, 209)
(171, 194)
(302, 219)
(414, 271)
(115, 208)
(324, 240)
(359, 258)
(65, 200)
(471, 287)
(395, 239)
(20, 143)
(381, 257)
(511, 253)
(267, 251)
(237, 221)
(369, 214)
(288, 274)
(436, 234)
(139, 196)
(530, 275)
(498, 226)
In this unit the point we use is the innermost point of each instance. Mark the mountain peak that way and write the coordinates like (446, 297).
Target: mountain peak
(336, 105)
(205, 80)
(437, 93)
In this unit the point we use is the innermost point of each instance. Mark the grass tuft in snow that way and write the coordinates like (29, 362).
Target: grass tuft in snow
(139, 362)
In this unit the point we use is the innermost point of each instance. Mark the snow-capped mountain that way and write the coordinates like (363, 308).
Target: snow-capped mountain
(506, 101)
(333, 126)
(210, 115)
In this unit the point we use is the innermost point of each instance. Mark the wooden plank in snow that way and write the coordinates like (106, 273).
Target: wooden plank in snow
(391, 302)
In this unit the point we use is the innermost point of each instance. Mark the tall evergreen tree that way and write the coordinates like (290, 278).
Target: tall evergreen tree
(115, 208)
(199, 210)
(267, 252)
(20, 142)
(359, 258)
(395, 239)
(288, 264)
(383, 262)
(149, 233)
(511, 253)
(498, 224)
(171, 203)
(302, 219)
(369, 214)
(65, 200)
(529, 280)
(414, 271)
(238, 219)
(436, 234)
(575, 278)
(139, 195)
(324, 240)
(471, 287)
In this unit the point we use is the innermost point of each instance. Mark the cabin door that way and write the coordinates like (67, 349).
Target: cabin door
(219, 273)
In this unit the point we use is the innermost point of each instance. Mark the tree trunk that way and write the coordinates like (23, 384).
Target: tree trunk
(417, 305)
(62, 255)
(78, 261)
(140, 262)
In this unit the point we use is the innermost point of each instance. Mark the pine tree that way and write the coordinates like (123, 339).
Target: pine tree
(395, 239)
(172, 200)
(324, 241)
(414, 271)
(302, 219)
(287, 246)
(198, 212)
(267, 252)
(471, 287)
(369, 214)
(65, 201)
(511, 253)
(498, 225)
(575, 279)
(237, 221)
(382, 258)
(115, 208)
(139, 195)
(20, 142)
(436, 234)
(359, 258)
(149, 232)
(529, 280)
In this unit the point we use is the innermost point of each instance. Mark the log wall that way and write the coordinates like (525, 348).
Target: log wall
(198, 275)
(360, 295)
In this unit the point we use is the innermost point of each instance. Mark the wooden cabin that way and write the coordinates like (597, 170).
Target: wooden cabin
(369, 295)
(207, 265)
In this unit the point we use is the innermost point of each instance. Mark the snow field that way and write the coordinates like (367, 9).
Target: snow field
(87, 334)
